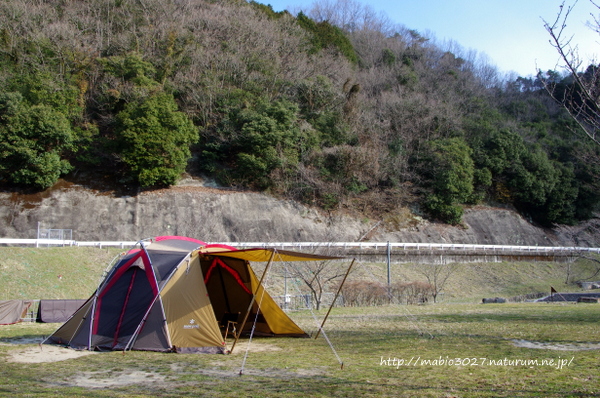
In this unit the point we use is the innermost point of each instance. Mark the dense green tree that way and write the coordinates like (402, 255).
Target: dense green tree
(325, 35)
(152, 140)
(33, 142)
(42, 87)
(131, 68)
(524, 175)
(561, 204)
(267, 9)
(265, 137)
(449, 172)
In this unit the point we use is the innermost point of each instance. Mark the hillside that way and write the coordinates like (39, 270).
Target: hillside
(52, 273)
(198, 209)
(358, 116)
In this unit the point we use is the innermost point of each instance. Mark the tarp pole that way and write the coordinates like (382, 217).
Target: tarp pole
(335, 298)
(92, 319)
(252, 301)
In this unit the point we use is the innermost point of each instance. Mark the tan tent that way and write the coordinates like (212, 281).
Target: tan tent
(177, 294)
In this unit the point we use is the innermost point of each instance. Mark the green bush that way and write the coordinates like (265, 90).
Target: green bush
(443, 209)
(545, 189)
(449, 174)
(254, 140)
(60, 93)
(131, 68)
(325, 35)
(33, 141)
(153, 140)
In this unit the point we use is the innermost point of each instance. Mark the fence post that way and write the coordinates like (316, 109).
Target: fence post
(389, 266)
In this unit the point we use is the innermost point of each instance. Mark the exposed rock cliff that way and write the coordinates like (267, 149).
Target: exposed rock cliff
(213, 214)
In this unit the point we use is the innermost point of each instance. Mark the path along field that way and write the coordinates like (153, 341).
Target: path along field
(441, 350)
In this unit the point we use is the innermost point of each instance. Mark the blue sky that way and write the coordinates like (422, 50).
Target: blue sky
(509, 32)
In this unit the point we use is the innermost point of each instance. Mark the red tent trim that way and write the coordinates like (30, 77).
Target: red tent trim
(117, 276)
(221, 246)
(168, 237)
(234, 273)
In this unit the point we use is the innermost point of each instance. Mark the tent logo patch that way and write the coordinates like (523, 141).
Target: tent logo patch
(192, 324)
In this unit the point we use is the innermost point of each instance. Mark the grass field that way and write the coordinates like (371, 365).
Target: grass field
(74, 273)
(442, 350)
(52, 272)
(456, 348)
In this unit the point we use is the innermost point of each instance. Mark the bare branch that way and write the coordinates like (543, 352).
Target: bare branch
(582, 98)
(595, 260)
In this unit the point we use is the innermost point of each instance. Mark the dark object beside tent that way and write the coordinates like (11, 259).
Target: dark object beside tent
(573, 297)
(494, 300)
(56, 311)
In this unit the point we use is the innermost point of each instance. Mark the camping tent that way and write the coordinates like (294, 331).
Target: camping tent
(12, 311)
(174, 293)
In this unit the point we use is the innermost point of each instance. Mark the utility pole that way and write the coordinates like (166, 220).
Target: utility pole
(389, 266)
(285, 289)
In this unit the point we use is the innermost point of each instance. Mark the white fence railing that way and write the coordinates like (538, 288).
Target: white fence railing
(63, 242)
(310, 245)
(410, 246)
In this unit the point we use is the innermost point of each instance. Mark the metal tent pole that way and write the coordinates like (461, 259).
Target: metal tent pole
(335, 298)
(252, 300)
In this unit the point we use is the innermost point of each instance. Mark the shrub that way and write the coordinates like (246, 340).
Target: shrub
(364, 293)
(325, 35)
(153, 140)
(449, 174)
(368, 293)
(33, 141)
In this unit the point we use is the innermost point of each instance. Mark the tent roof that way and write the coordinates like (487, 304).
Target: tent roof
(185, 245)
(264, 255)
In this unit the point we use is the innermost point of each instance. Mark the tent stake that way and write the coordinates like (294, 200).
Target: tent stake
(335, 298)
(239, 333)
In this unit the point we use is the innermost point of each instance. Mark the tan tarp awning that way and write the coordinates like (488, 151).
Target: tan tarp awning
(263, 255)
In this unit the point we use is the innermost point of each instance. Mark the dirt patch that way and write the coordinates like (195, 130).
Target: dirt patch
(110, 379)
(242, 346)
(556, 346)
(41, 353)
(106, 379)
(285, 374)
(45, 353)
(219, 371)
(21, 340)
(49, 353)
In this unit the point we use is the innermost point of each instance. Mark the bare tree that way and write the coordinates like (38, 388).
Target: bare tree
(437, 274)
(589, 275)
(351, 16)
(317, 276)
(582, 98)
